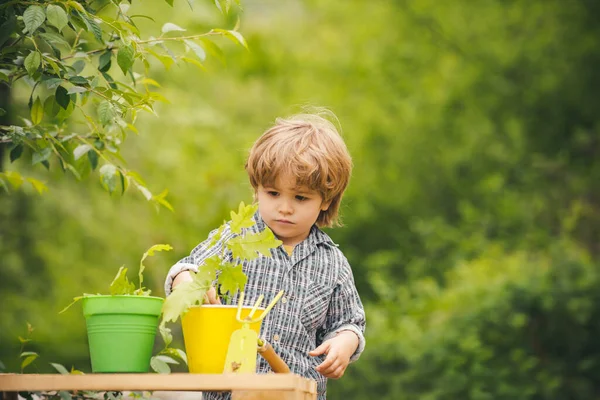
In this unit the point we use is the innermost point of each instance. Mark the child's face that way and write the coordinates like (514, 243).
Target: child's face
(288, 210)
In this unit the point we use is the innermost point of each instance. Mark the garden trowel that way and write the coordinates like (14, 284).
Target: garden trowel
(242, 351)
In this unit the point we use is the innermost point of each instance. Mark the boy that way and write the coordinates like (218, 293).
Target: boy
(299, 169)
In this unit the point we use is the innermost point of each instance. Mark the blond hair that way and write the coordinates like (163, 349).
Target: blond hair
(309, 148)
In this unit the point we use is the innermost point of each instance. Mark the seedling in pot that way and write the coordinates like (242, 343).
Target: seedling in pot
(121, 286)
(222, 271)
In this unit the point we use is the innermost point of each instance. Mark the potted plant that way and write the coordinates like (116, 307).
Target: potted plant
(207, 328)
(121, 326)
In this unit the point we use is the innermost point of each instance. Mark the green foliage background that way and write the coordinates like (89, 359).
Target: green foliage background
(471, 219)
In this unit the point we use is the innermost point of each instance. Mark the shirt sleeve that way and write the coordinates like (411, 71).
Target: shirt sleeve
(197, 257)
(346, 312)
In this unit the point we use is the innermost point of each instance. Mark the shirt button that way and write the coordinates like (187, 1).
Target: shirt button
(276, 338)
(284, 300)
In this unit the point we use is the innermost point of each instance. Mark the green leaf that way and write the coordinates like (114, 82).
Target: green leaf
(57, 17)
(232, 279)
(207, 272)
(234, 36)
(248, 247)
(72, 169)
(108, 177)
(223, 5)
(33, 18)
(217, 235)
(28, 353)
(165, 60)
(76, 5)
(2, 112)
(121, 285)
(37, 111)
(166, 335)
(32, 62)
(219, 7)
(7, 28)
(125, 57)
(57, 70)
(181, 355)
(243, 218)
(144, 191)
(51, 107)
(175, 353)
(197, 49)
(162, 200)
(150, 253)
(193, 61)
(41, 155)
(167, 359)
(78, 89)
(136, 177)
(60, 369)
(14, 178)
(66, 113)
(16, 152)
(170, 27)
(28, 361)
(129, 27)
(78, 66)
(104, 61)
(81, 150)
(39, 186)
(78, 80)
(92, 26)
(62, 97)
(184, 295)
(55, 38)
(52, 83)
(106, 112)
(64, 395)
(214, 50)
(93, 159)
(159, 365)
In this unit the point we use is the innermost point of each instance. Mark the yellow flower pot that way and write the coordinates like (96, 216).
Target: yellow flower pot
(206, 333)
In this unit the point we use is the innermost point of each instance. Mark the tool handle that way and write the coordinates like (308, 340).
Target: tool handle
(275, 362)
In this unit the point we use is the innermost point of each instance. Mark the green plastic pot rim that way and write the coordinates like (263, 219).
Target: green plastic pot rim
(87, 296)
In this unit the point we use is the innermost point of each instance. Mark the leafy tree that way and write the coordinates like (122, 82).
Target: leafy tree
(88, 68)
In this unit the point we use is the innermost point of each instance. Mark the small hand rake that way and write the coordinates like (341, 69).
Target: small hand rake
(242, 351)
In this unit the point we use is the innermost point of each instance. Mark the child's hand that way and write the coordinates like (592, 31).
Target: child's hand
(186, 276)
(339, 349)
(211, 296)
(183, 276)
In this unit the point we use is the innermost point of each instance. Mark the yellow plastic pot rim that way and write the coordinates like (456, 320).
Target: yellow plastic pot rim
(223, 306)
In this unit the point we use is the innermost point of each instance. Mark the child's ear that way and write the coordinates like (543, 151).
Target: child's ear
(325, 205)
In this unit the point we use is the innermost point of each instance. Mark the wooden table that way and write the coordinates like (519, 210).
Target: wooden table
(242, 386)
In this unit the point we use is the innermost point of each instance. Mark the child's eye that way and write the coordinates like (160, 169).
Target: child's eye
(273, 193)
(301, 198)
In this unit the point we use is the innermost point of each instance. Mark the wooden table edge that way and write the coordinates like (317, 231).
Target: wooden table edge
(151, 382)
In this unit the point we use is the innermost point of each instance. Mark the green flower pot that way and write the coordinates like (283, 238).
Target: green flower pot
(121, 331)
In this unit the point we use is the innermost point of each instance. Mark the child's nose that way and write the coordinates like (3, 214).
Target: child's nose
(285, 207)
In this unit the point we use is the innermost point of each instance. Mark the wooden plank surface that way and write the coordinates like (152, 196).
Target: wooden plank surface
(177, 381)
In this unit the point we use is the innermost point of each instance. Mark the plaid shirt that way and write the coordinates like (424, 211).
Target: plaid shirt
(320, 298)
